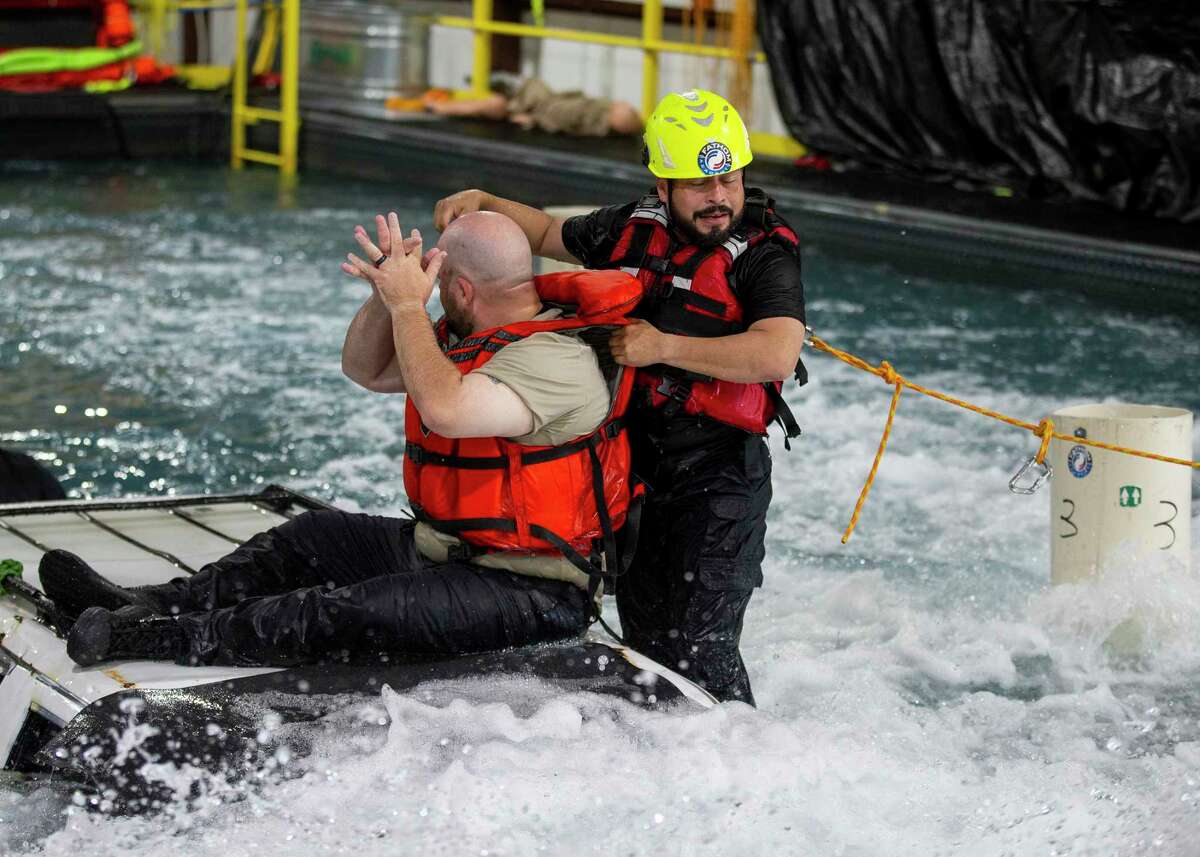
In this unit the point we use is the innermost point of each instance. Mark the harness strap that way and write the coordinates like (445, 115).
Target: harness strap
(636, 254)
(673, 316)
(466, 350)
(592, 568)
(610, 561)
(686, 296)
(417, 454)
(783, 415)
(633, 526)
(589, 567)
(677, 391)
(801, 375)
(606, 432)
(755, 210)
(454, 526)
(692, 264)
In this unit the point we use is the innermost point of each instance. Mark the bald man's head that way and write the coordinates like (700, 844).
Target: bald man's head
(488, 249)
(491, 254)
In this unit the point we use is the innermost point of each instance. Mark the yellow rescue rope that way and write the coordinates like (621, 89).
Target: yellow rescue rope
(1044, 429)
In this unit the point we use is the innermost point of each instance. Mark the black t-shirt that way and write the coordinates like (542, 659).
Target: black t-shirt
(766, 278)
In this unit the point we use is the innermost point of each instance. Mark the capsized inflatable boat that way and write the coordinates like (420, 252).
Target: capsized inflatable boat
(63, 719)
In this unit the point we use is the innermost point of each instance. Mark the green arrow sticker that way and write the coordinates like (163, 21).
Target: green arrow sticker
(1131, 496)
(9, 568)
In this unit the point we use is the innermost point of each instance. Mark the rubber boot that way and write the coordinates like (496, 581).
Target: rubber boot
(74, 586)
(131, 633)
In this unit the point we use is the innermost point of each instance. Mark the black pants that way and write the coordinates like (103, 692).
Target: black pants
(332, 585)
(698, 560)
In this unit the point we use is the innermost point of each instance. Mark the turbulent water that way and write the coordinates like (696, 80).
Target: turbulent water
(922, 689)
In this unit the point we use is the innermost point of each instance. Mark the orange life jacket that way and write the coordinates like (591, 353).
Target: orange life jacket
(116, 25)
(499, 495)
(688, 292)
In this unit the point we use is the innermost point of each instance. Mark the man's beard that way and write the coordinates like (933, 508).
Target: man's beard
(714, 237)
(458, 320)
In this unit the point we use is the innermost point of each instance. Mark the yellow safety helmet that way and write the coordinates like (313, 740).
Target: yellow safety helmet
(693, 135)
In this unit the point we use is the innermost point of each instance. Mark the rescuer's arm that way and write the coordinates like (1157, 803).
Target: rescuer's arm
(767, 351)
(450, 404)
(543, 231)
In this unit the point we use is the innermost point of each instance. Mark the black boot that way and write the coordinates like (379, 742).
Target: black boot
(74, 586)
(131, 633)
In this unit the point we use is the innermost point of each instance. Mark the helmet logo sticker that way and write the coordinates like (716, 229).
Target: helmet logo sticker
(715, 158)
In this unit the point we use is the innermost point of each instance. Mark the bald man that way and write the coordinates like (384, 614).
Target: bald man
(331, 584)
(544, 390)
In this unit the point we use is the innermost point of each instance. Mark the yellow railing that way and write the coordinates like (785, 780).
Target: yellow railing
(280, 17)
(651, 44)
(288, 114)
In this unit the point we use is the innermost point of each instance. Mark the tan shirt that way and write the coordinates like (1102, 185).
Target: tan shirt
(558, 378)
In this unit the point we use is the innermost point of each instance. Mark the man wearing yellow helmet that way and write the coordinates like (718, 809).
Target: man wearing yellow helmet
(721, 326)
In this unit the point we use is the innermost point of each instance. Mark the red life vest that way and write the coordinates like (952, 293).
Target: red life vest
(688, 292)
(499, 495)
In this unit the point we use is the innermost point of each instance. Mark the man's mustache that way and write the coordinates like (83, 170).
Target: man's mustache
(711, 212)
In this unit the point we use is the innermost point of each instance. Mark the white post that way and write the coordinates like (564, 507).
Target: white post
(1101, 499)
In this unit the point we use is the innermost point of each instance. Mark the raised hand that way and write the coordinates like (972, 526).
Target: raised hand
(402, 279)
(376, 253)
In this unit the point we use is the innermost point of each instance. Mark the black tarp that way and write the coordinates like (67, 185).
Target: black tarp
(1097, 99)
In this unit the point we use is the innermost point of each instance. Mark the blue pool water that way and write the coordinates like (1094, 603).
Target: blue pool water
(923, 690)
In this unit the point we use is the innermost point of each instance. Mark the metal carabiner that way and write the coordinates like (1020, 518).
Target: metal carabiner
(1041, 473)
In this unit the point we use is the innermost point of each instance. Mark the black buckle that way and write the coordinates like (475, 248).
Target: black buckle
(414, 453)
(678, 391)
(658, 265)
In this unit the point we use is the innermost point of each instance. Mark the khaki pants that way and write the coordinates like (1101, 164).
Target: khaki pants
(562, 113)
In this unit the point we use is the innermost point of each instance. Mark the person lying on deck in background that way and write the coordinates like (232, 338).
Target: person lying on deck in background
(532, 104)
(516, 464)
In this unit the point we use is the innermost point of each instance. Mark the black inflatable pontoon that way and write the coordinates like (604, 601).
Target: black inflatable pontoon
(60, 718)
